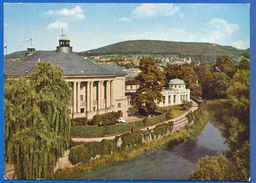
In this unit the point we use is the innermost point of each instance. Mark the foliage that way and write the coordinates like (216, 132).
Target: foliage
(130, 139)
(151, 80)
(77, 154)
(105, 119)
(37, 123)
(211, 168)
(161, 129)
(187, 73)
(79, 121)
(101, 148)
(198, 51)
(224, 64)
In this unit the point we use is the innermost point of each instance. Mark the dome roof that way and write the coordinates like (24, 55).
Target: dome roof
(176, 82)
(64, 37)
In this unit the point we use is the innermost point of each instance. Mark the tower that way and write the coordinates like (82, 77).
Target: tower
(64, 44)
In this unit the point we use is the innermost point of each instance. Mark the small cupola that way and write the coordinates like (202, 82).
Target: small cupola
(64, 44)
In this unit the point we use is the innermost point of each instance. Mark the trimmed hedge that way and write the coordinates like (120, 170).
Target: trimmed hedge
(96, 131)
(105, 119)
(79, 122)
(78, 154)
(130, 139)
(161, 129)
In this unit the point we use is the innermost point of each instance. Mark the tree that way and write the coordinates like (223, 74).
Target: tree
(151, 80)
(187, 73)
(37, 123)
(224, 64)
(235, 165)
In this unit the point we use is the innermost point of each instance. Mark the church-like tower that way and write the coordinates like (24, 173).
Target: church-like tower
(64, 44)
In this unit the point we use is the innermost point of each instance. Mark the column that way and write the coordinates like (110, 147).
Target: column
(112, 93)
(91, 97)
(100, 97)
(74, 97)
(78, 96)
(88, 96)
(108, 94)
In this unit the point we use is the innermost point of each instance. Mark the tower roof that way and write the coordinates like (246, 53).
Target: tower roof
(64, 37)
(176, 82)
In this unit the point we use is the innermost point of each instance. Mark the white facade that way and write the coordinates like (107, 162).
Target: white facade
(176, 94)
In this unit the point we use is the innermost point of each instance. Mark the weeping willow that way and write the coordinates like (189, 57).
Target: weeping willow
(37, 123)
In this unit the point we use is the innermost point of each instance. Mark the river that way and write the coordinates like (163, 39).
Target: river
(173, 163)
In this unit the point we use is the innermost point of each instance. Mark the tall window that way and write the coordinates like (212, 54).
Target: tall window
(174, 99)
(164, 100)
(169, 99)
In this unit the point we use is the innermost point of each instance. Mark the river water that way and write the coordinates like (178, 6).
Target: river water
(173, 163)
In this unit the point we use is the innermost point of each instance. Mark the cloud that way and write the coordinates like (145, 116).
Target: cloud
(218, 29)
(240, 44)
(155, 9)
(125, 19)
(57, 25)
(76, 13)
(147, 10)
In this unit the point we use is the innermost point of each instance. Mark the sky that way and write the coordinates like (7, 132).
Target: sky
(92, 25)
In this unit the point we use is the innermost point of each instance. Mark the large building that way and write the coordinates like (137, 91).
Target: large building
(176, 94)
(96, 88)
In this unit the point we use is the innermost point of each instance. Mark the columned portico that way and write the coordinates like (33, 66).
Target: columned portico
(90, 97)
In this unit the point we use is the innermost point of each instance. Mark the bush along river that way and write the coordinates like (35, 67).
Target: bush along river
(176, 162)
(172, 157)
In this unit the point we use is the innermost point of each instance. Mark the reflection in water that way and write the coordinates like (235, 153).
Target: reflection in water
(174, 163)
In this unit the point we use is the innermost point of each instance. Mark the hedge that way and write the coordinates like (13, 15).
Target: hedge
(96, 131)
(130, 139)
(79, 122)
(78, 154)
(105, 119)
(161, 129)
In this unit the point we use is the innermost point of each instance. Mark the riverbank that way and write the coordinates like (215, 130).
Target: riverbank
(200, 118)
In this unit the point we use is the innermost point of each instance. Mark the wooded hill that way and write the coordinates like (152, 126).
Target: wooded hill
(164, 47)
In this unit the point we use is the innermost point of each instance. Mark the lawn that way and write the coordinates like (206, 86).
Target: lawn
(176, 110)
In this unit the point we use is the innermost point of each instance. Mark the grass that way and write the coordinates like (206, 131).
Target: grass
(132, 152)
(176, 110)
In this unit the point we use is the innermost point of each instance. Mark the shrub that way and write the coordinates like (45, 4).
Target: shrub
(130, 139)
(169, 114)
(171, 124)
(132, 111)
(105, 119)
(78, 154)
(104, 147)
(79, 122)
(96, 131)
(161, 129)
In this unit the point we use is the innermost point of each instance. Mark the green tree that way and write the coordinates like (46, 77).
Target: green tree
(187, 73)
(235, 127)
(151, 80)
(37, 123)
(224, 64)
(219, 85)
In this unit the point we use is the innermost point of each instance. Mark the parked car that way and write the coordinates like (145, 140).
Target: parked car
(121, 120)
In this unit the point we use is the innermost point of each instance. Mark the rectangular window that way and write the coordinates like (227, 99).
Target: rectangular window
(169, 99)
(164, 100)
(82, 110)
(174, 99)
(81, 97)
(119, 105)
